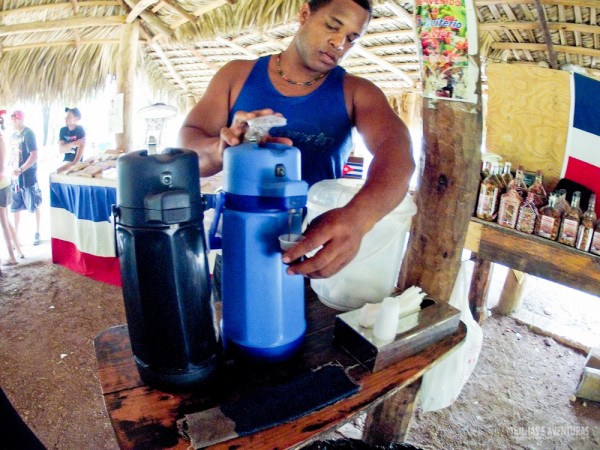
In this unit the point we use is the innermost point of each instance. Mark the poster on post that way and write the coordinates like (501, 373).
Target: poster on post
(447, 31)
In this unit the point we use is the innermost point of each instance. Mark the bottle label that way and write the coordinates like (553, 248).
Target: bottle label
(486, 206)
(546, 227)
(526, 222)
(508, 212)
(568, 234)
(595, 247)
(584, 238)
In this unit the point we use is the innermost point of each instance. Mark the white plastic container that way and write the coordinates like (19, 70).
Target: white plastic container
(372, 274)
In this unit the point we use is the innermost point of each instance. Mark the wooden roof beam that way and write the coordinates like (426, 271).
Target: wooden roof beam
(75, 7)
(402, 13)
(137, 8)
(542, 48)
(543, 22)
(169, 66)
(359, 49)
(80, 42)
(583, 3)
(64, 24)
(204, 9)
(524, 25)
(239, 48)
(53, 6)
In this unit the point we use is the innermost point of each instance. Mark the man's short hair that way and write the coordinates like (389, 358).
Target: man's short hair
(317, 4)
(74, 111)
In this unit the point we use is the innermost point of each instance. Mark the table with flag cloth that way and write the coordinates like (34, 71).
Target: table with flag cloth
(82, 230)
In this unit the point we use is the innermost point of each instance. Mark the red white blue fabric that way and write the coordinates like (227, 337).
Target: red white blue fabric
(82, 230)
(582, 156)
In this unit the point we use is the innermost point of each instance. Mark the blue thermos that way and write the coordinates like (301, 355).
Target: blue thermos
(164, 270)
(263, 307)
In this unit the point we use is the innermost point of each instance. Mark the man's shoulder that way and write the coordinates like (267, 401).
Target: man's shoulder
(238, 67)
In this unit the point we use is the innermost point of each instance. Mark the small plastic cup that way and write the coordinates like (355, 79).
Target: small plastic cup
(287, 240)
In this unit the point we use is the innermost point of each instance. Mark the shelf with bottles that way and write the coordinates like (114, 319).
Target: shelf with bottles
(527, 208)
(534, 255)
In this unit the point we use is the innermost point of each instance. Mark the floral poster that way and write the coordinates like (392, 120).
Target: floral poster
(445, 29)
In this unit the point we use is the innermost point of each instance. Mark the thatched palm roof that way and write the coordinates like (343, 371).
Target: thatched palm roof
(56, 50)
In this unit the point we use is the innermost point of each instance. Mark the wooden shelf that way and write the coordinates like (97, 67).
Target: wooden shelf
(534, 255)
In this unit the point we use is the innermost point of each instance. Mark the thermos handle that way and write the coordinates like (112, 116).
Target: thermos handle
(216, 202)
(115, 213)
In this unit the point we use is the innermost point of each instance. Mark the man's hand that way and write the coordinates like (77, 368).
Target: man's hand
(234, 135)
(338, 235)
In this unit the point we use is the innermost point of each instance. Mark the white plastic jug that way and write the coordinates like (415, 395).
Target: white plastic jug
(371, 275)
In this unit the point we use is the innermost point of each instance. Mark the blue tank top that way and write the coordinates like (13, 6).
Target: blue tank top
(318, 123)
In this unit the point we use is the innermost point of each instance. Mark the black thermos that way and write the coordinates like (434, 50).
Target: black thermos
(164, 269)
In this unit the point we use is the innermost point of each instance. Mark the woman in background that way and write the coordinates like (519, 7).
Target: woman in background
(5, 198)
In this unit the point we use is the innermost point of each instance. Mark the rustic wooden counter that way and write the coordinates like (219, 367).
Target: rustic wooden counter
(143, 417)
(533, 255)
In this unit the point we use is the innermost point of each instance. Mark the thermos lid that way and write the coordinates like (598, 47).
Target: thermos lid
(160, 188)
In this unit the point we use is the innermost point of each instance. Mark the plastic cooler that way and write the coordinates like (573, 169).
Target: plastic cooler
(372, 274)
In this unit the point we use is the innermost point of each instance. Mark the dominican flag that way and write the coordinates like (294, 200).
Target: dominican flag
(582, 156)
(83, 236)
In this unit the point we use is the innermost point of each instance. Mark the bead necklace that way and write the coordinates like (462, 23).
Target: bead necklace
(297, 83)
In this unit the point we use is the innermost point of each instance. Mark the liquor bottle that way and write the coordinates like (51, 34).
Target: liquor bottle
(570, 222)
(519, 182)
(528, 213)
(586, 228)
(541, 197)
(548, 221)
(561, 201)
(595, 247)
(508, 212)
(489, 194)
(485, 170)
(506, 174)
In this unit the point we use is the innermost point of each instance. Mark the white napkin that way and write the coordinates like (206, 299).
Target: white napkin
(409, 302)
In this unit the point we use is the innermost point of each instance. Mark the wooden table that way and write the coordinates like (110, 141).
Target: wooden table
(143, 417)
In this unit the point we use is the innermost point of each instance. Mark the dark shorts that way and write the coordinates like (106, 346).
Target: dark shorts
(5, 197)
(71, 157)
(28, 198)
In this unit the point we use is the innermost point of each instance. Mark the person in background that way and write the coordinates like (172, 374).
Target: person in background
(8, 231)
(71, 138)
(26, 192)
(322, 103)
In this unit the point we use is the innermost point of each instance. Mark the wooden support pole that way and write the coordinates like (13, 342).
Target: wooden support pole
(446, 196)
(126, 66)
(512, 292)
(478, 293)
(402, 405)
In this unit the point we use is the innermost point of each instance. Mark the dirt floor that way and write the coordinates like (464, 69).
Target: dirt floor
(520, 395)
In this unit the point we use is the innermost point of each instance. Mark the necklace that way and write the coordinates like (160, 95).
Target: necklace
(297, 83)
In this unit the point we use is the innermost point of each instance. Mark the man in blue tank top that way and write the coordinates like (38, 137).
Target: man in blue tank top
(322, 103)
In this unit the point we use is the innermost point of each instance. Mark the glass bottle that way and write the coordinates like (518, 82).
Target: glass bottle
(489, 194)
(570, 222)
(485, 170)
(561, 201)
(541, 197)
(508, 212)
(519, 182)
(586, 228)
(595, 247)
(548, 221)
(528, 213)
(506, 174)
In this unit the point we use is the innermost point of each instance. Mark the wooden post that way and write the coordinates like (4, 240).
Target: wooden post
(126, 66)
(478, 293)
(378, 429)
(446, 195)
(512, 292)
